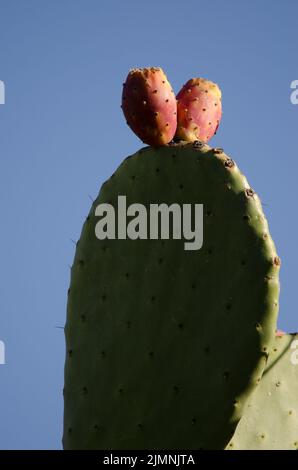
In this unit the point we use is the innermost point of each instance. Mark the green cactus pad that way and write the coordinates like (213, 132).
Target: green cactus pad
(164, 345)
(270, 421)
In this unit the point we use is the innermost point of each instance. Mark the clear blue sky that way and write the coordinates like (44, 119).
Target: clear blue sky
(62, 134)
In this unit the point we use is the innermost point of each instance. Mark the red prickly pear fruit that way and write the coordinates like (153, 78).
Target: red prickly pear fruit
(149, 106)
(198, 110)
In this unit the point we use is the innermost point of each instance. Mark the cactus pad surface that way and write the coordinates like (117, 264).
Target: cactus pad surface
(271, 419)
(164, 346)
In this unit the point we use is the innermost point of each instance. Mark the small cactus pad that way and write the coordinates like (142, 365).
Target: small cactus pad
(165, 345)
(198, 110)
(149, 106)
(270, 421)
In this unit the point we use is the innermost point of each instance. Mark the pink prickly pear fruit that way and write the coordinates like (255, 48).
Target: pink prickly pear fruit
(279, 333)
(149, 106)
(198, 110)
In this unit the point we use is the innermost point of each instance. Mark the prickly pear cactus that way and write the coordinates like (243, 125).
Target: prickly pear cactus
(165, 345)
(198, 110)
(271, 419)
(149, 105)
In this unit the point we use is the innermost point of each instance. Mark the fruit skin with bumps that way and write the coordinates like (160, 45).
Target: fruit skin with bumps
(165, 346)
(149, 105)
(199, 110)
